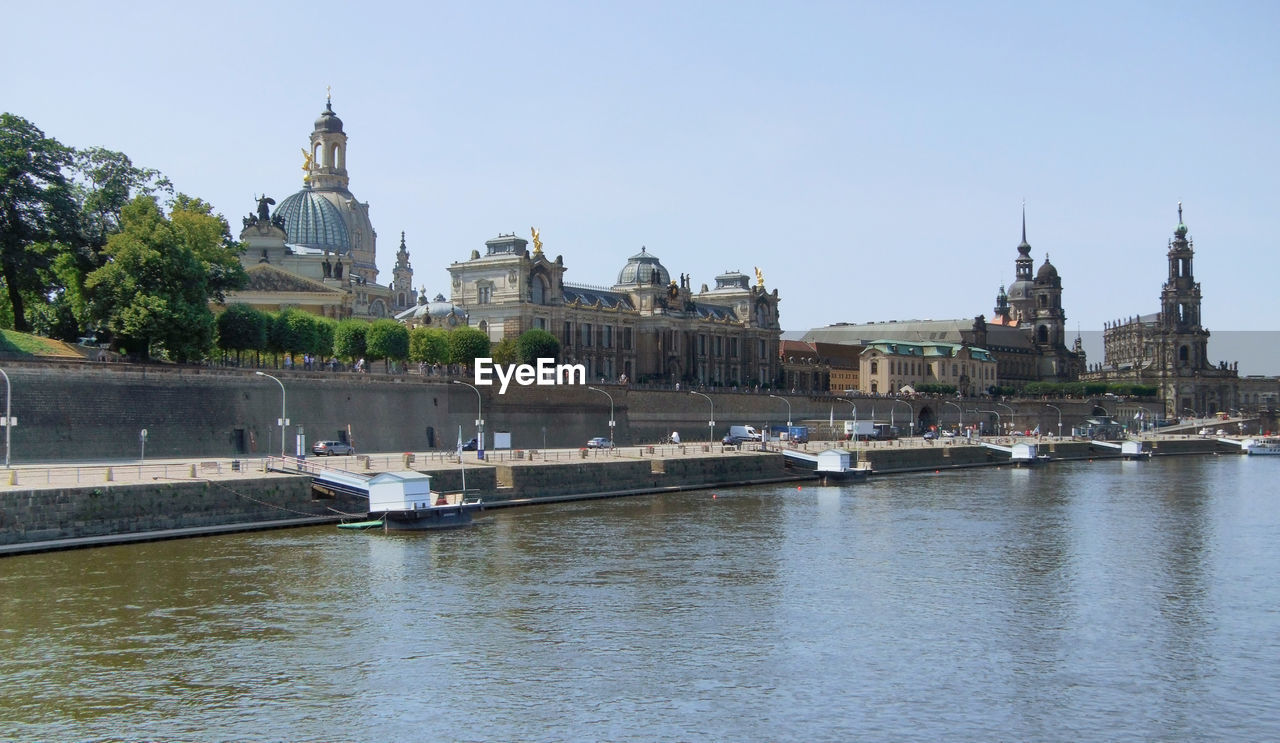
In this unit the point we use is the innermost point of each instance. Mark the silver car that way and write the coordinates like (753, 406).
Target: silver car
(332, 448)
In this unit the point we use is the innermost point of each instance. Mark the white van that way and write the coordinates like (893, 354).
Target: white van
(744, 433)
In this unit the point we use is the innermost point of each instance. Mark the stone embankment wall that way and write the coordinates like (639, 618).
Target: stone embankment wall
(72, 513)
(90, 411)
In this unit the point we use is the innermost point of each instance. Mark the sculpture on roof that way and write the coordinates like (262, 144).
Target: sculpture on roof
(759, 278)
(306, 164)
(537, 241)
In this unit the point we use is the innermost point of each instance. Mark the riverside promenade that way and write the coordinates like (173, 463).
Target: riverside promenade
(94, 504)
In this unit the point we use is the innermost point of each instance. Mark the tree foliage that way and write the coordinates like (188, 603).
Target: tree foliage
(294, 331)
(160, 273)
(466, 345)
(429, 345)
(37, 209)
(387, 339)
(537, 344)
(242, 328)
(349, 339)
(506, 351)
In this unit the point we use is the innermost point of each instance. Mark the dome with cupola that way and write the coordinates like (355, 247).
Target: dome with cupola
(643, 268)
(312, 221)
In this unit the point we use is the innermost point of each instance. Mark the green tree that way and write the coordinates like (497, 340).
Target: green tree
(37, 209)
(506, 352)
(293, 331)
(466, 345)
(388, 340)
(429, 345)
(537, 344)
(242, 328)
(153, 292)
(325, 328)
(349, 339)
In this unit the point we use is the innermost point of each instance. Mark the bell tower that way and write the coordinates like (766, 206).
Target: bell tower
(327, 163)
(1180, 304)
(402, 281)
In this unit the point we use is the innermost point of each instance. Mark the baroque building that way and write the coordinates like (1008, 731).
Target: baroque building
(1025, 339)
(1169, 349)
(645, 327)
(317, 250)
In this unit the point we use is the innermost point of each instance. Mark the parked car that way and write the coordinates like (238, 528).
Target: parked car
(599, 442)
(731, 440)
(332, 448)
(469, 446)
(930, 435)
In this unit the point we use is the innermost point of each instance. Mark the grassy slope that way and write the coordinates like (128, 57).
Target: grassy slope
(15, 344)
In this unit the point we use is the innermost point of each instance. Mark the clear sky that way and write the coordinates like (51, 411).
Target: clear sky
(870, 158)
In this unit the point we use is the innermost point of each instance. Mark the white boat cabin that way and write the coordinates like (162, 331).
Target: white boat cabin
(833, 460)
(399, 491)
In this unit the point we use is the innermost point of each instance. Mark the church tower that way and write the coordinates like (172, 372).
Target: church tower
(328, 162)
(1179, 321)
(402, 279)
(1021, 304)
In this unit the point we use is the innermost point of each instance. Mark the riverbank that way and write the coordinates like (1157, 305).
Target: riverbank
(51, 508)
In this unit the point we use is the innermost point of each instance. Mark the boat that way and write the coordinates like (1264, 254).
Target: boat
(830, 465)
(404, 501)
(1264, 445)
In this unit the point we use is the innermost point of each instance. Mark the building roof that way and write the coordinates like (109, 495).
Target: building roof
(312, 221)
(644, 268)
(589, 296)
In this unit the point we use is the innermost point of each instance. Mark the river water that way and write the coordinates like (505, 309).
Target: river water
(1081, 601)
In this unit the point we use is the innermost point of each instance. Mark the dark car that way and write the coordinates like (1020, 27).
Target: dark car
(732, 440)
(599, 442)
(469, 446)
(332, 448)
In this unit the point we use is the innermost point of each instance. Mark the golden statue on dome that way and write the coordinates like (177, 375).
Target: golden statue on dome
(537, 241)
(306, 164)
(759, 278)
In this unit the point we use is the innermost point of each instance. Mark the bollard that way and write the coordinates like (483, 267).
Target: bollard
(13, 477)
(108, 474)
(193, 470)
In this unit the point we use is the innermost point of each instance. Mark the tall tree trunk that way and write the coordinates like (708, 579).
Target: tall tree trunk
(15, 297)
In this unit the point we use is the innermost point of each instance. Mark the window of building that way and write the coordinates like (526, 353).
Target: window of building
(586, 334)
(607, 342)
(875, 367)
(568, 333)
(484, 293)
(626, 340)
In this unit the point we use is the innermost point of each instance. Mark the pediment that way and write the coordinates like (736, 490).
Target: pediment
(265, 277)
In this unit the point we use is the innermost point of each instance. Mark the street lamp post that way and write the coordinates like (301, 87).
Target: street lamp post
(479, 419)
(996, 413)
(283, 420)
(711, 424)
(1013, 414)
(957, 407)
(910, 418)
(1055, 407)
(611, 421)
(788, 402)
(8, 419)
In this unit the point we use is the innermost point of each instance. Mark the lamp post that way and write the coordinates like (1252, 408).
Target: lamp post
(479, 419)
(611, 421)
(996, 413)
(711, 424)
(1012, 413)
(910, 418)
(8, 419)
(283, 420)
(788, 402)
(1055, 407)
(957, 407)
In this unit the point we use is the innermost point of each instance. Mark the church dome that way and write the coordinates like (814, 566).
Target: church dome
(328, 120)
(1047, 271)
(313, 221)
(1019, 290)
(644, 268)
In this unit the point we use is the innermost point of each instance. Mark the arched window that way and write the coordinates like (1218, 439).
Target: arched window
(875, 367)
(1184, 354)
(1042, 334)
(537, 290)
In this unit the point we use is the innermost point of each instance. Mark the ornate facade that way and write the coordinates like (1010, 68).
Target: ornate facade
(1170, 349)
(317, 250)
(647, 326)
